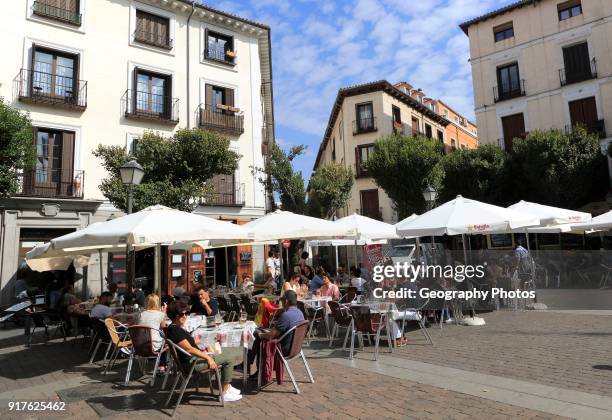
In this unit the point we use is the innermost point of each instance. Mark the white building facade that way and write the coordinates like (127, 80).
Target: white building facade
(94, 72)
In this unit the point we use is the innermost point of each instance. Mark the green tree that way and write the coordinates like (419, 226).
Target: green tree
(331, 188)
(17, 151)
(176, 168)
(558, 168)
(478, 174)
(287, 183)
(403, 167)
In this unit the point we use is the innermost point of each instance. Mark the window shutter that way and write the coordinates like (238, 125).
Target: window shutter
(206, 42)
(208, 92)
(135, 89)
(229, 97)
(66, 173)
(357, 162)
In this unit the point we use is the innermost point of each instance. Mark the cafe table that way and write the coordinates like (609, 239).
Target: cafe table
(228, 335)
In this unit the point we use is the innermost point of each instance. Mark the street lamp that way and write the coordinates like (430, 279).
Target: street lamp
(131, 174)
(430, 194)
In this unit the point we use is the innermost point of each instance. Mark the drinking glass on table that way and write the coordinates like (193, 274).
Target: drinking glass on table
(243, 318)
(218, 320)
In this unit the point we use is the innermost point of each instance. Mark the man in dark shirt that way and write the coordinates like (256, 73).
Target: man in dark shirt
(203, 304)
(289, 318)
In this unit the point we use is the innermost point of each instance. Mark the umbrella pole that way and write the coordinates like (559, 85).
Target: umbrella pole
(336, 259)
(418, 251)
(464, 249)
(280, 246)
(356, 265)
(157, 270)
(101, 276)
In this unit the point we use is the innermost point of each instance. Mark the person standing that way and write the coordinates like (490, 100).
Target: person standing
(270, 266)
(277, 268)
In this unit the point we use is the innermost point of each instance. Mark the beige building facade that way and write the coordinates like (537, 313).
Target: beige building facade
(95, 72)
(360, 116)
(541, 64)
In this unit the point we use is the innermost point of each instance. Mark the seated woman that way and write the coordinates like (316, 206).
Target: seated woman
(69, 304)
(292, 284)
(246, 283)
(178, 312)
(154, 316)
(328, 288)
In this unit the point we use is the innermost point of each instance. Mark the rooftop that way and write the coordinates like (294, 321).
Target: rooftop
(465, 25)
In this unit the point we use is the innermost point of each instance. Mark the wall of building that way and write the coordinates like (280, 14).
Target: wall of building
(465, 136)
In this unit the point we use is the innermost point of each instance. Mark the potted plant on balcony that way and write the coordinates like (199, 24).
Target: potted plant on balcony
(230, 54)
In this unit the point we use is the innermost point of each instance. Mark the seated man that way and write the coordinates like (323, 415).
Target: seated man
(289, 318)
(102, 309)
(202, 304)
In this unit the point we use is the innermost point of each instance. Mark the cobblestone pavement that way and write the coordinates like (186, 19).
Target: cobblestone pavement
(568, 351)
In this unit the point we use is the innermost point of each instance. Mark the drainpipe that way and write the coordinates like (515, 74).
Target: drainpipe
(193, 3)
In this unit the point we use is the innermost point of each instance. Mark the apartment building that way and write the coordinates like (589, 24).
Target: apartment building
(364, 113)
(104, 71)
(541, 64)
(460, 133)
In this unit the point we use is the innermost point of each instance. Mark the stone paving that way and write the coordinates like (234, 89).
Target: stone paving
(567, 351)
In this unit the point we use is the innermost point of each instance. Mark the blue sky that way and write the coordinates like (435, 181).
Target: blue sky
(417, 41)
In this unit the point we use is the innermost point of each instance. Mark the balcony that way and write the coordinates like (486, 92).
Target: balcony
(360, 171)
(597, 127)
(364, 125)
(147, 106)
(220, 55)
(225, 194)
(507, 91)
(51, 183)
(65, 15)
(51, 89)
(153, 39)
(222, 118)
(567, 77)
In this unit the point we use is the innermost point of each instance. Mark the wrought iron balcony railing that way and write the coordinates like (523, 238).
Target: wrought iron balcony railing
(569, 76)
(506, 91)
(64, 14)
(364, 125)
(151, 38)
(52, 89)
(147, 106)
(52, 183)
(227, 121)
(220, 54)
(225, 194)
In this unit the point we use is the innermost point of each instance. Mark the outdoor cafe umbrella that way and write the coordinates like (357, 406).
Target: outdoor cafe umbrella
(463, 216)
(152, 226)
(601, 222)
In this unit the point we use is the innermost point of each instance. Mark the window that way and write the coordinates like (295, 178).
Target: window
(219, 111)
(446, 113)
(504, 31)
(152, 92)
(219, 47)
(397, 119)
(513, 126)
(584, 112)
(333, 152)
(362, 155)
(456, 119)
(370, 204)
(453, 144)
(415, 126)
(569, 9)
(508, 82)
(463, 147)
(53, 74)
(152, 29)
(428, 132)
(365, 118)
(578, 66)
(62, 10)
(441, 136)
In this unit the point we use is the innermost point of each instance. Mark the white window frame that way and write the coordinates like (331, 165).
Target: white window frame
(129, 140)
(134, 6)
(222, 31)
(77, 138)
(28, 51)
(52, 22)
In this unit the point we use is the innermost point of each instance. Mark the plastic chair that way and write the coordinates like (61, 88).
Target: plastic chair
(142, 349)
(184, 372)
(46, 322)
(366, 323)
(101, 337)
(342, 319)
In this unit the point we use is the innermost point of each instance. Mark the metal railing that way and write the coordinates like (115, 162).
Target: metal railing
(511, 90)
(219, 54)
(364, 125)
(145, 105)
(213, 118)
(151, 38)
(578, 75)
(225, 194)
(63, 183)
(596, 127)
(53, 89)
(42, 8)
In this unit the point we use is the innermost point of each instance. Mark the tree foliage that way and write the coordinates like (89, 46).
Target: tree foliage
(17, 151)
(403, 167)
(478, 174)
(287, 183)
(331, 187)
(176, 168)
(558, 168)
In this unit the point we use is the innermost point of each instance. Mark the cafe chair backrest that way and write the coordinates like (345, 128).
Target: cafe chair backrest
(140, 335)
(365, 320)
(340, 314)
(100, 328)
(223, 304)
(110, 326)
(299, 335)
(349, 296)
(174, 350)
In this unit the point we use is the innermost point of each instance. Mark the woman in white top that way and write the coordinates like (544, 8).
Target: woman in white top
(357, 281)
(292, 284)
(154, 316)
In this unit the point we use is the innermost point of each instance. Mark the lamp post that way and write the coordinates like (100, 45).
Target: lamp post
(430, 194)
(131, 174)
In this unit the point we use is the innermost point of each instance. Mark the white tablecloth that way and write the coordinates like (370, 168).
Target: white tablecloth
(315, 301)
(229, 334)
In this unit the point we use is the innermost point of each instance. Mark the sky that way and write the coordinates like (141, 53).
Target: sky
(321, 46)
